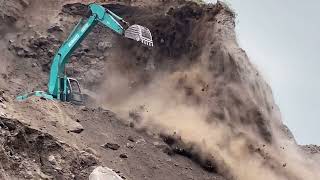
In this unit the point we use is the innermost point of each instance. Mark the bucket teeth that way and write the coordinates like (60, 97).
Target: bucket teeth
(147, 42)
(139, 33)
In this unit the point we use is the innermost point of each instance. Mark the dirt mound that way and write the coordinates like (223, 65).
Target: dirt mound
(27, 153)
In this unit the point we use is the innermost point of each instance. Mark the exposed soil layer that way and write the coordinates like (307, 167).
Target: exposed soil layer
(27, 153)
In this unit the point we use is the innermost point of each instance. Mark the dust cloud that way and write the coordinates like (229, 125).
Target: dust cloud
(206, 95)
(177, 103)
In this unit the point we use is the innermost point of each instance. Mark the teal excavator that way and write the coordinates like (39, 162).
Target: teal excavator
(60, 86)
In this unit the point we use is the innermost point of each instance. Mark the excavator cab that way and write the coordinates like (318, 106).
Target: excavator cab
(69, 90)
(74, 94)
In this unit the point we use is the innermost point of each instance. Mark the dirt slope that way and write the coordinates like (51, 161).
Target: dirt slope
(140, 156)
(192, 107)
(27, 153)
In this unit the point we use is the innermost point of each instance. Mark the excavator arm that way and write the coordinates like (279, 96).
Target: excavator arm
(59, 83)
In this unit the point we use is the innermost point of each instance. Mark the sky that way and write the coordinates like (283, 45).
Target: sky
(282, 38)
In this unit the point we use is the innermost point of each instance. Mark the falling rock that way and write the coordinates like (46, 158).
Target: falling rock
(123, 156)
(104, 173)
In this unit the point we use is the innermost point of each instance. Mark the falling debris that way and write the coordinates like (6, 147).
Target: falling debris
(123, 156)
(189, 105)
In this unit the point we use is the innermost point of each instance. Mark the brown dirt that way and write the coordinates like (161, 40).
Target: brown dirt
(27, 153)
(147, 156)
(193, 107)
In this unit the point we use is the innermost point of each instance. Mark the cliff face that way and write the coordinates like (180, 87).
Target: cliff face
(196, 89)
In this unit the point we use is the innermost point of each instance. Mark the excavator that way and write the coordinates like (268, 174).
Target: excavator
(63, 88)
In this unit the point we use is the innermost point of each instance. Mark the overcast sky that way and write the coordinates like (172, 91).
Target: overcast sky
(283, 39)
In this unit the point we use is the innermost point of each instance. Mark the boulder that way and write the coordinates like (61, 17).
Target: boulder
(74, 127)
(104, 173)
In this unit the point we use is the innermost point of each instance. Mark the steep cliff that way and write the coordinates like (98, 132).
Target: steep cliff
(195, 94)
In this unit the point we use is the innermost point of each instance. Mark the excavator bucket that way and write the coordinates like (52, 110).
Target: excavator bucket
(139, 33)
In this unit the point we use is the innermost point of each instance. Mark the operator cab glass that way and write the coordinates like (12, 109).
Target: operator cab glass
(74, 85)
(74, 91)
